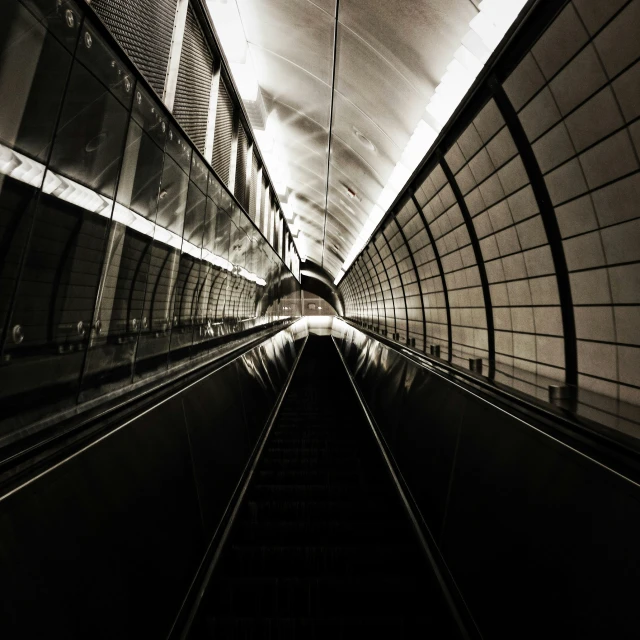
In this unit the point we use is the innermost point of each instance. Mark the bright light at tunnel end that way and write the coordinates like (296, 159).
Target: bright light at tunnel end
(487, 29)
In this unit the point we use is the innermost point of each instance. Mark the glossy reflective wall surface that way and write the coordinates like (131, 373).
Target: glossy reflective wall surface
(122, 254)
(106, 543)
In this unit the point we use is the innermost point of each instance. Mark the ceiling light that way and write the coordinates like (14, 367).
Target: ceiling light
(363, 140)
(287, 209)
(386, 197)
(399, 176)
(226, 18)
(246, 81)
(419, 143)
(468, 60)
(350, 192)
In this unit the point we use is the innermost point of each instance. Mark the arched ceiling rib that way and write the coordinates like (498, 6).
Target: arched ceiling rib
(389, 59)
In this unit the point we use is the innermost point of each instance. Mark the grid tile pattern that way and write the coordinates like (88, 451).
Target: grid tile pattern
(576, 96)
(578, 101)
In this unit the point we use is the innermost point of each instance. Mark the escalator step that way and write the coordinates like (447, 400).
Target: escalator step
(321, 547)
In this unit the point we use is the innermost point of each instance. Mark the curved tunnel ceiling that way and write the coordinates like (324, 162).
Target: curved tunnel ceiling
(517, 241)
(344, 84)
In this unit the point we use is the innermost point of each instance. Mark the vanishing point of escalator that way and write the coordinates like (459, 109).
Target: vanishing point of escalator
(322, 547)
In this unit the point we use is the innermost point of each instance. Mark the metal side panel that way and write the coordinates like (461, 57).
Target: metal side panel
(144, 29)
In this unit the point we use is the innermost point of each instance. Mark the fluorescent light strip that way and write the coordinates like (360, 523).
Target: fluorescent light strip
(487, 29)
(24, 169)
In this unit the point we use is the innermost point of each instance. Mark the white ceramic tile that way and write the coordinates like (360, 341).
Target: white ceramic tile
(550, 350)
(540, 114)
(594, 323)
(544, 291)
(548, 320)
(582, 77)
(538, 261)
(489, 121)
(553, 148)
(629, 363)
(522, 319)
(625, 283)
(465, 180)
(523, 203)
(531, 233)
(627, 90)
(469, 142)
(618, 201)
(514, 267)
(566, 182)
(454, 158)
(591, 287)
(507, 241)
(560, 41)
(583, 252)
(618, 44)
(595, 13)
(608, 160)
(627, 324)
(501, 148)
(594, 120)
(519, 293)
(622, 242)
(597, 359)
(481, 165)
(513, 176)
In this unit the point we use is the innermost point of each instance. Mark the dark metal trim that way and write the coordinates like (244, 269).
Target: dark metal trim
(333, 93)
(415, 270)
(445, 290)
(550, 223)
(475, 243)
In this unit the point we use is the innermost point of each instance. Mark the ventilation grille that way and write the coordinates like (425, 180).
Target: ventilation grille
(144, 29)
(223, 134)
(240, 189)
(193, 91)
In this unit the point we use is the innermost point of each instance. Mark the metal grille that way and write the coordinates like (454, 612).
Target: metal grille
(240, 189)
(253, 188)
(193, 90)
(144, 28)
(223, 135)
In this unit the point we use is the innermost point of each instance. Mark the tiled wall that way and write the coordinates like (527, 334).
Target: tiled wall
(544, 185)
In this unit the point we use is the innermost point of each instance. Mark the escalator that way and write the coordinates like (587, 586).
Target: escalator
(322, 546)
